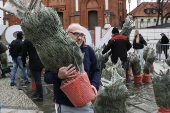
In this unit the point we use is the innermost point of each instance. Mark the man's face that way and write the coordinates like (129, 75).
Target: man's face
(76, 32)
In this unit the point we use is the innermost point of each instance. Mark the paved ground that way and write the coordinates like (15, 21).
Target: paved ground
(141, 98)
(14, 100)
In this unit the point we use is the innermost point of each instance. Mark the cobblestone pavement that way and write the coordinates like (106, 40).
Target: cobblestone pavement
(141, 96)
(140, 100)
(14, 100)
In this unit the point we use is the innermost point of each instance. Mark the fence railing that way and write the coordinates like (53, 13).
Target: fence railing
(162, 50)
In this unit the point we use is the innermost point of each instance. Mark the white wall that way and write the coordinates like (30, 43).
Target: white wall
(153, 35)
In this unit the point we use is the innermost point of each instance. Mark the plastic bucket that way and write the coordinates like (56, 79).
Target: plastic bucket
(78, 89)
(163, 110)
(33, 85)
(138, 79)
(146, 77)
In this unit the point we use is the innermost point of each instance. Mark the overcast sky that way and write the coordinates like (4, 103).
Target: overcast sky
(133, 4)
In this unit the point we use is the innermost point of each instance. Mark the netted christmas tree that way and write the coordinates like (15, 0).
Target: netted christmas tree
(112, 95)
(150, 58)
(129, 60)
(127, 27)
(42, 26)
(161, 87)
(145, 52)
(102, 59)
(135, 64)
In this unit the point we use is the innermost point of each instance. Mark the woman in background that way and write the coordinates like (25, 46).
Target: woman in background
(138, 45)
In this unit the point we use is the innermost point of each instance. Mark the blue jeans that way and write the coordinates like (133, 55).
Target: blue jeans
(37, 79)
(60, 108)
(18, 63)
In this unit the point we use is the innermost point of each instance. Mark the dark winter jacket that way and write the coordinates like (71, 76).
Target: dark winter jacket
(34, 60)
(19, 44)
(141, 43)
(119, 46)
(165, 40)
(91, 67)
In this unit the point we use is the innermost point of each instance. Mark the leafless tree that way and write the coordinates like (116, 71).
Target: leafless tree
(163, 9)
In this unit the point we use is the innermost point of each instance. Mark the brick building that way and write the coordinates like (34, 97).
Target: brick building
(88, 13)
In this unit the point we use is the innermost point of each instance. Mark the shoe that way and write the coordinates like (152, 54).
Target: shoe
(38, 99)
(12, 84)
(27, 82)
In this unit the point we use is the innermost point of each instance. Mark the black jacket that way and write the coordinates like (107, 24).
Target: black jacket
(119, 46)
(18, 49)
(164, 40)
(141, 44)
(34, 60)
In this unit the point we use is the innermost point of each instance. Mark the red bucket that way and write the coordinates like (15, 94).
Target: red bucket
(127, 76)
(138, 79)
(78, 89)
(33, 85)
(163, 110)
(146, 77)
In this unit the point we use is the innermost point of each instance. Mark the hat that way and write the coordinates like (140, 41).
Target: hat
(115, 30)
(162, 34)
(19, 35)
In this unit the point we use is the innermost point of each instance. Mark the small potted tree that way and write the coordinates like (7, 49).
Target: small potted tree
(128, 67)
(161, 87)
(148, 64)
(136, 68)
(102, 59)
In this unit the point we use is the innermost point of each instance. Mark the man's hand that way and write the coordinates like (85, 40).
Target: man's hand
(66, 72)
(95, 91)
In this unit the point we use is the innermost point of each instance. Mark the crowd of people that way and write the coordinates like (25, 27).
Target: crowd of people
(117, 47)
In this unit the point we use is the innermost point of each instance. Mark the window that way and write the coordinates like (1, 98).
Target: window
(147, 11)
(149, 20)
(141, 20)
(154, 20)
(154, 11)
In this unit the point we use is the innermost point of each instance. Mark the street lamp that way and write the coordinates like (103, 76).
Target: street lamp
(129, 5)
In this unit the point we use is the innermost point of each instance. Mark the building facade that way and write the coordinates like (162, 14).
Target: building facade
(88, 13)
(146, 15)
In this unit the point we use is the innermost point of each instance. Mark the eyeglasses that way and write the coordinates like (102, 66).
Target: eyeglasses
(78, 34)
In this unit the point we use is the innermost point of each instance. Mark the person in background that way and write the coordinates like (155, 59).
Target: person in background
(158, 50)
(15, 50)
(138, 45)
(63, 105)
(119, 46)
(35, 67)
(165, 40)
